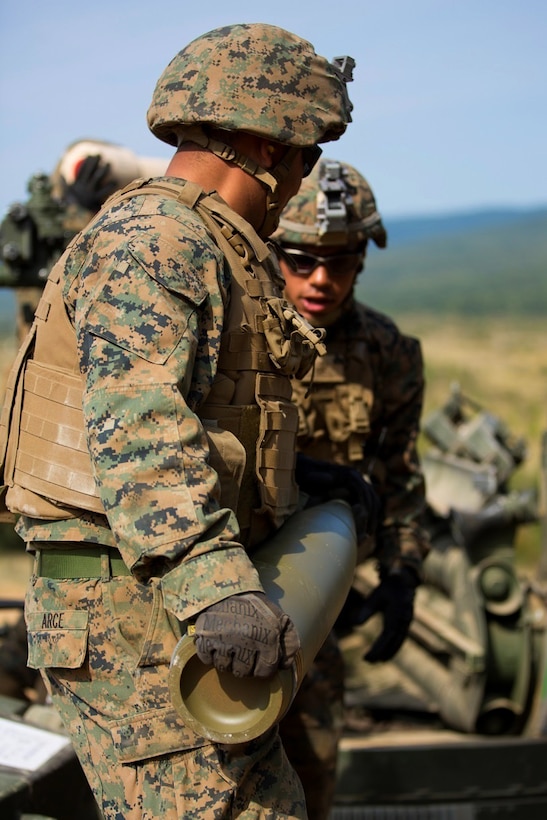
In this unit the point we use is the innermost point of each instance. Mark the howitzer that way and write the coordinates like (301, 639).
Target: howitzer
(473, 455)
(456, 723)
(476, 642)
(34, 234)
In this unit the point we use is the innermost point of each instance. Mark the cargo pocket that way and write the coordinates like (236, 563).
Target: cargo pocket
(57, 639)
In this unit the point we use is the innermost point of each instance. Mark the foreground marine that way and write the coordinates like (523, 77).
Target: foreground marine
(150, 430)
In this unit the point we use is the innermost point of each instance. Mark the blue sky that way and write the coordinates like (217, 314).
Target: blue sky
(450, 96)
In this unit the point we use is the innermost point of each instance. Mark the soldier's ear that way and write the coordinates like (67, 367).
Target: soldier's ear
(270, 152)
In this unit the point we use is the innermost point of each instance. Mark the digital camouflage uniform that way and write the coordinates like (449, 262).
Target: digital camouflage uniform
(164, 343)
(360, 406)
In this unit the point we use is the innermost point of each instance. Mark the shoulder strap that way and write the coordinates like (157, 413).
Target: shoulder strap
(226, 224)
(184, 191)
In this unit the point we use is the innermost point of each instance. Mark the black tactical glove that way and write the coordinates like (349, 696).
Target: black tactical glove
(323, 481)
(394, 598)
(246, 634)
(91, 187)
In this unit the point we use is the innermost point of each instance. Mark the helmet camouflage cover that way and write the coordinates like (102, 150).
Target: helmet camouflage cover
(334, 206)
(253, 77)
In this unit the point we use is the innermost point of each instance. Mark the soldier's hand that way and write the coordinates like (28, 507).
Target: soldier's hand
(92, 185)
(323, 481)
(246, 634)
(394, 599)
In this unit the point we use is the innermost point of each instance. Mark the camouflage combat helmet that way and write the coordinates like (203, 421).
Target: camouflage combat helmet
(334, 206)
(256, 78)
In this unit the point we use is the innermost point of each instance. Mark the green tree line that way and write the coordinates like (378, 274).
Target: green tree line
(478, 270)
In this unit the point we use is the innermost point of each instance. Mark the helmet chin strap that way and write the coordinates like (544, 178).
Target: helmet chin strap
(270, 179)
(280, 173)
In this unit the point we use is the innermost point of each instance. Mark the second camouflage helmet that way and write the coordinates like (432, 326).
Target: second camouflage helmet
(257, 78)
(334, 206)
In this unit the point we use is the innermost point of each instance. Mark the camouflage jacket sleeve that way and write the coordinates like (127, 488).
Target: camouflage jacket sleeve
(390, 452)
(148, 334)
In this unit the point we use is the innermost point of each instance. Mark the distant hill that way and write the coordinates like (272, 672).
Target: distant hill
(488, 262)
(410, 229)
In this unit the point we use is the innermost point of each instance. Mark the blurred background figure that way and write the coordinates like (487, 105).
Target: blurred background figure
(34, 234)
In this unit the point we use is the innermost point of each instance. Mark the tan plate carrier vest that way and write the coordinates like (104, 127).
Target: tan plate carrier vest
(334, 411)
(48, 473)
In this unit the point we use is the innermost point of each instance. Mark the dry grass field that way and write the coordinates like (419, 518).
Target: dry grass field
(500, 363)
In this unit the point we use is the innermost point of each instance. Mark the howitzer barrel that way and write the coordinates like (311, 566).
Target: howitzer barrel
(307, 568)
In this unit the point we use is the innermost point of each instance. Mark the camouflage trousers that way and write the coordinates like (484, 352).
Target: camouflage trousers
(312, 728)
(104, 646)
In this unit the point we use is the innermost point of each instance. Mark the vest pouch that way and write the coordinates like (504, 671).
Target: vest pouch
(276, 454)
(227, 457)
(347, 412)
(232, 431)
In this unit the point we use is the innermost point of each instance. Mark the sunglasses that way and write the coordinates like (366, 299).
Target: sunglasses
(304, 263)
(310, 156)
